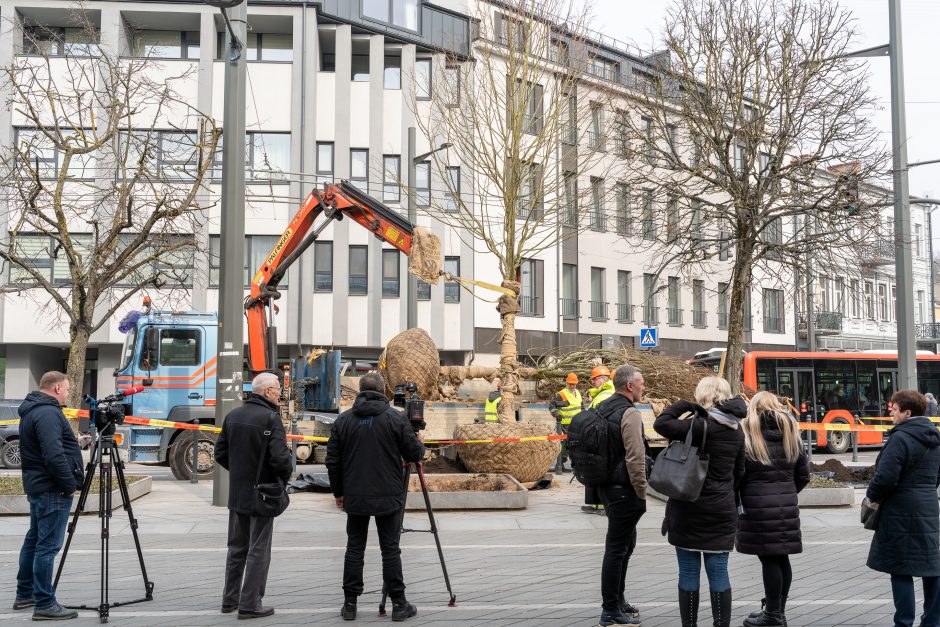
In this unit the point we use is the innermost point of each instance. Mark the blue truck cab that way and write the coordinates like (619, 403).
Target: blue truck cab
(172, 354)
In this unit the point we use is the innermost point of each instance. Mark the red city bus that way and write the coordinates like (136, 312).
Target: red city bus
(846, 388)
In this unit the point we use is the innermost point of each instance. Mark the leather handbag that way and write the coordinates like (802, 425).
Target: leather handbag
(869, 515)
(270, 498)
(679, 471)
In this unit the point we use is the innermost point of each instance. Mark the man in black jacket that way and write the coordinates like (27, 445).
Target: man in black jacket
(364, 458)
(52, 473)
(250, 433)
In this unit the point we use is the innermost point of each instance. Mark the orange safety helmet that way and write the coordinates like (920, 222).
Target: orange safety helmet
(572, 378)
(600, 371)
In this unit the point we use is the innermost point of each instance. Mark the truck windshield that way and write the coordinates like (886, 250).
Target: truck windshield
(130, 343)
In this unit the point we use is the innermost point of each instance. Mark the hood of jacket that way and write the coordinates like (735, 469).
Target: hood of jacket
(370, 403)
(921, 429)
(769, 428)
(730, 412)
(36, 399)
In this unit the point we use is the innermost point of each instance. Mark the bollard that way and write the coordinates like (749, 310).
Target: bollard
(293, 445)
(194, 477)
(809, 445)
(855, 443)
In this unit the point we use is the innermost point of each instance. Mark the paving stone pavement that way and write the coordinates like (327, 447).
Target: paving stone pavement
(539, 566)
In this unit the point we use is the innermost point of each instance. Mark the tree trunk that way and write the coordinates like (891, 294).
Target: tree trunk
(740, 281)
(508, 307)
(75, 368)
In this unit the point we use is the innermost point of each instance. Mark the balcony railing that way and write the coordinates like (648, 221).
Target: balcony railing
(624, 313)
(597, 141)
(927, 331)
(598, 311)
(650, 315)
(877, 253)
(824, 322)
(773, 324)
(569, 134)
(598, 219)
(699, 319)
(569, 308)
(675, 317)
(528, 305)
(624, 225)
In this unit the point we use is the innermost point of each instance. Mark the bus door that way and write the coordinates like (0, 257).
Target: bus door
(797, 384)
(887, 386)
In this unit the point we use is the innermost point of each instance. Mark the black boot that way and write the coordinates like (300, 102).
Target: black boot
(402, 610)
(721, 608)
(626, 607)
(771, 617)
(348, 612)
(688, 608)
(763, 604)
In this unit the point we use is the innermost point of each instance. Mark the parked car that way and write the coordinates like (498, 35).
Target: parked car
(9, 435)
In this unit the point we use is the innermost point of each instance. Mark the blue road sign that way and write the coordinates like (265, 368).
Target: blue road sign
(649, 338)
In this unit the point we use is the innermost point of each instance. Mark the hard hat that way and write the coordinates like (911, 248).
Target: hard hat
(600, 371)
(572, 378)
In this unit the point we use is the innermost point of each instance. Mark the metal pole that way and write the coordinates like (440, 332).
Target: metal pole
(293, 445)
(232, 289)
(412, 285)
(194, 471)
(855, 442)
(903, 269)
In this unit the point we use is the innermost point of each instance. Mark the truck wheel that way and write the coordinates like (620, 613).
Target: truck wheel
(838, 441)
(181, 456)
(10, 454)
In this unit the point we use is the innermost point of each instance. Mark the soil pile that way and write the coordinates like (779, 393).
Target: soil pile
(442, 465)
(843, 474)
(468, 483)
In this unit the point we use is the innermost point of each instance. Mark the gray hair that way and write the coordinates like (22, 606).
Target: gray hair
(372, 382)
(263, 381)
(623, 375)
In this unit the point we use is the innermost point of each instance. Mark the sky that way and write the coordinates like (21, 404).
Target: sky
(640, 21)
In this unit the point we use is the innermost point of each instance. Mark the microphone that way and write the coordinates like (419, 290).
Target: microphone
(137, 389)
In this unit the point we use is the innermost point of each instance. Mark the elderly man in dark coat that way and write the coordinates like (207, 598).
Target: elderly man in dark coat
(904, 490)
(249, 434)
(364, 459)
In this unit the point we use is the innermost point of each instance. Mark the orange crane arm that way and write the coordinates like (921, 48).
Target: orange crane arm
(334, 202)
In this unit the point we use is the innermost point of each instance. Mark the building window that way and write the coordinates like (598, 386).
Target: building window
(883, 302)
(322, 266)
(215, 260)
(530, 279)
(43, 155)
(424, 290)
(894, 301)
(391, 274)
(532, 119)
(570, 215)
(598, 295)
(695, 226)
(423, 183)
(358, 269)
(325, 161)
(675, 305)
(257, 249)
(392, 72)
(452, 288)
(672, 217)
(54, 41)
(650, 311)
(699, 316)
(921, 311)
(360, 68)
(359, 168)
(423, 79)
(918, 240)
(855, 298)
(722, 305)
(596, 136)
(569, 291)
(403, 13)
(598, 219)
(391, 176)
(267, 155)
(624, 213)
(624, 298)
(529, 201)
(452, 193)
(166, 44)
(36, 251)
(649, 145)
(649, 224)
(261, 46)
(869, 300)
(773, 311)
(452, 85)
(840, 296)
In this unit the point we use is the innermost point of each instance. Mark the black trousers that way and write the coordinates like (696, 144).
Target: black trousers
(624, 511)
(357, 533)
(249, 556)
(777, 575)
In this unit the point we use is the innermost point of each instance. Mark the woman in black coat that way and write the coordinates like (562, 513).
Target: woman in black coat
(706, 527)
(775, 470)
(904, 491)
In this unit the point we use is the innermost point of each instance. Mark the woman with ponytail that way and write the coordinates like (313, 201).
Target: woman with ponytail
(769, 527)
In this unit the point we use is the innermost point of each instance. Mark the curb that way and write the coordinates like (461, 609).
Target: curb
(18, 505)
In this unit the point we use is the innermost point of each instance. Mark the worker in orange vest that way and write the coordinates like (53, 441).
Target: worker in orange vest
(566, 404)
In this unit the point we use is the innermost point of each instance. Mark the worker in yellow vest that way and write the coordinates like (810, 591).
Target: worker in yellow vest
(491, 409)
(602, 388)
(566, 404)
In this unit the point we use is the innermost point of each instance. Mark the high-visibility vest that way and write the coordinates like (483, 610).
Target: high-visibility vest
(601, 394)
(491, 409)
(574, 405)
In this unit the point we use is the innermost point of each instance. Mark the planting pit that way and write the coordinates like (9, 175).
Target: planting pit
(468, 491)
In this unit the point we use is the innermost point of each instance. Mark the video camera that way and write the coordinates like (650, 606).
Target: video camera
(412, 404)
(108, 412)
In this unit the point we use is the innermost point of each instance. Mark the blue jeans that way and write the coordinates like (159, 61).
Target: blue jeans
(902, 589)
(690, 568)
(48, 518)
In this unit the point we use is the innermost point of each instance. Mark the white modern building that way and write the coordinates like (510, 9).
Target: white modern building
(328, 90)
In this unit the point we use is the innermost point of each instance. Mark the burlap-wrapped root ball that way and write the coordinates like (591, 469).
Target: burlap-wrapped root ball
(526, 461)
(412, 356)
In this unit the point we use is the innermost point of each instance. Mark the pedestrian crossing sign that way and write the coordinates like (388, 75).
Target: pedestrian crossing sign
(648, 338)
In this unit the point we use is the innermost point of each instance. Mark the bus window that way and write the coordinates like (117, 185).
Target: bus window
(868, 403)
(765, 375)
(835, 384)
(928, 377)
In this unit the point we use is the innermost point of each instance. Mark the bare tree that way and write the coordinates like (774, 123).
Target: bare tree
(751, 136)
(513, 116)
(100, 202)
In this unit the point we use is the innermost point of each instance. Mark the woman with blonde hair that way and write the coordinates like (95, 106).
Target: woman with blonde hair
(703, 530)
(775, 470)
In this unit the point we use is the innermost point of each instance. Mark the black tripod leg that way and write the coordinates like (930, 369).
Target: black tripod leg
(104, 513)
(125, 497)
(401, 524)
(437, 539)
(79, 508)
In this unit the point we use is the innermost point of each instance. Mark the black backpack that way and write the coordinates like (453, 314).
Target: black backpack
(589, 446)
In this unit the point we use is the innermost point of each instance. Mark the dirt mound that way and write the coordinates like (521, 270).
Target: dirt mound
(468, 483)
(442, 465)
(843, 474)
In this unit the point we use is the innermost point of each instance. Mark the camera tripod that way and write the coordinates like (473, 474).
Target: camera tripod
(419, 467)
(106, 457)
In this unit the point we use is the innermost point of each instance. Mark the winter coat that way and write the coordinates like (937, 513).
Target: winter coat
(242, 443)
(770, 524)
(364, 456)
(710, 522)
(51, 459)
(931, 407)
(907, 540)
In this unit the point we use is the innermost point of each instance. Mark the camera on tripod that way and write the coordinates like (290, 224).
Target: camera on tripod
(406, 397)
(108, 412)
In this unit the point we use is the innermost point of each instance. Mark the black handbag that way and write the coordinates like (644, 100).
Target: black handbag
(869, 515)
(679, 471)
(270, 499)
